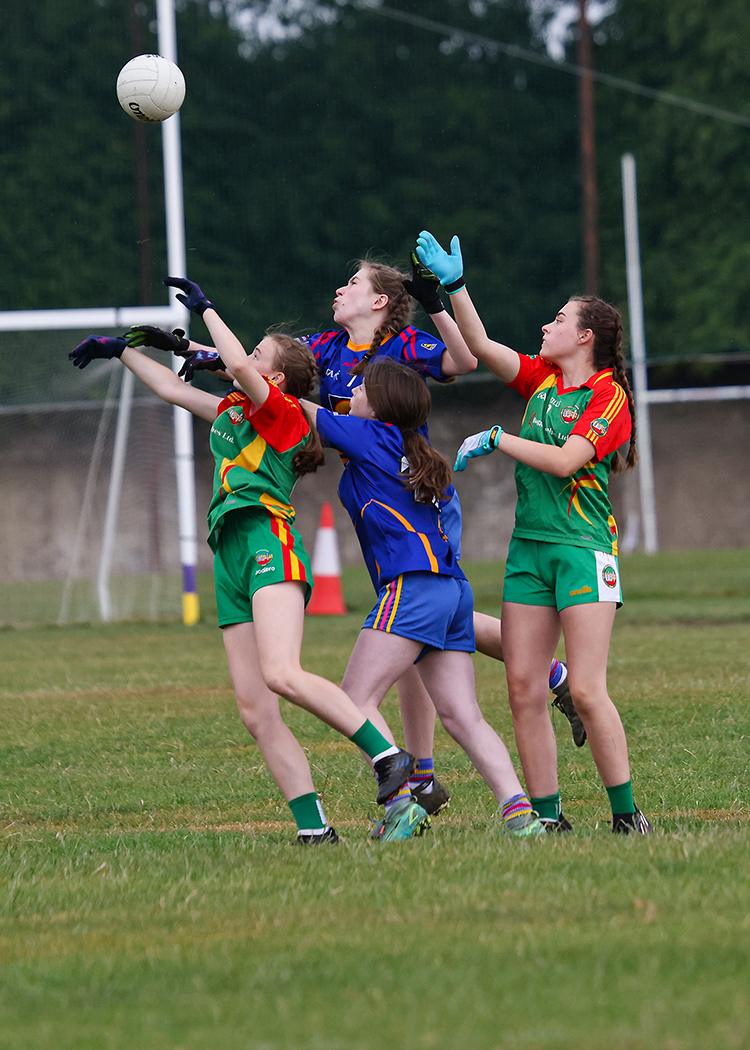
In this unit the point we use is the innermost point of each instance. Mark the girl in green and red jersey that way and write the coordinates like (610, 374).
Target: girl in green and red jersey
(261, 441)
(562, 571)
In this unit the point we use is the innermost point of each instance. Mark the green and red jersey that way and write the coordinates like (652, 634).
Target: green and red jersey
(254, 449)
(574, 510)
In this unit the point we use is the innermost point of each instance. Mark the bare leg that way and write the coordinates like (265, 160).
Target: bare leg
(488, 636)
(587, 630)
(418, 714)
(378, 660)
(530, 636)
(449, 677)
(259, 711)
(278, 612)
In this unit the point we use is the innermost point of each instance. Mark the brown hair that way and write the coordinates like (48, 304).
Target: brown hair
(386, 280)
(399, 396)
(606, 324)
(300, 370)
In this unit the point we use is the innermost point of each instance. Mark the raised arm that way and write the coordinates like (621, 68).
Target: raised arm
(232, 351)
(456, 359)
(448, 266)
(157, 377)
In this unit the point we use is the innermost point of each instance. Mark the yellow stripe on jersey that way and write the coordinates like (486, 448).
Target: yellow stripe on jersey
(278, 510)
(611, 411)
(249, 459)
(409, 528)
(551, 380)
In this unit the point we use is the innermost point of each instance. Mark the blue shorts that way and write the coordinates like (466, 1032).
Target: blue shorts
(429, 608)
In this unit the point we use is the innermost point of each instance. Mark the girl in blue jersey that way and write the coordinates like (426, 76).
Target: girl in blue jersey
(562, 571)
(261, 441)
(393, 487)
(375, 310)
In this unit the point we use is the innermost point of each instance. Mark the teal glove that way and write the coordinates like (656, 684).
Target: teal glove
(448, 266)
(478, 445)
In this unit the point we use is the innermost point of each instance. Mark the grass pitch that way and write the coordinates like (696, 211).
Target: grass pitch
(152, 897)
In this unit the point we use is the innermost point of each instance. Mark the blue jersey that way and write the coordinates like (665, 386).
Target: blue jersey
(336, 356)
(396, 532)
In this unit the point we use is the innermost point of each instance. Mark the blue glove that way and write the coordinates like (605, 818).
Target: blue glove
(147, 335)
(96, 347)
(193, 299)
(448, 266)
(478, 445)
(200, 360)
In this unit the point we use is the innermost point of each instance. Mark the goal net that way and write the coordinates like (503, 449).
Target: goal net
(90, 528)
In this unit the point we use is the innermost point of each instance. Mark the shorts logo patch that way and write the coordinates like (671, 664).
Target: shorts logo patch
(609, 576)
(263, 557)
(570, 414)
(236, 415)
(600, 427)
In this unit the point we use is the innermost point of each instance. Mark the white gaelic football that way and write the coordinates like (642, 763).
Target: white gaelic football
(150, 88)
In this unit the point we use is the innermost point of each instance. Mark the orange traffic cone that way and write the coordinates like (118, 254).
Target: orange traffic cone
(327, 599)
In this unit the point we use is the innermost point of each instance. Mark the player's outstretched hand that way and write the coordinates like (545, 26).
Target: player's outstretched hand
(147, 335)
(448, 266)
(199, 360)
(477, 445)
(95, 347)
(193, 299)
(423, 286)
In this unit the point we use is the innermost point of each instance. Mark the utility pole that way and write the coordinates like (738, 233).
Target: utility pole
(590, 205)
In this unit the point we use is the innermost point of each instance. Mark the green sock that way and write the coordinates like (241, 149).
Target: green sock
(548, 807)
(621, 797)
(370, 740)
(308, 812)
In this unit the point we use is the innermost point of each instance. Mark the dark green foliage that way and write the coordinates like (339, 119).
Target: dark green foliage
(307, 155)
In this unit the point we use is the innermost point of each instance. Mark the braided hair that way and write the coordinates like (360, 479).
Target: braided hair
(606, 324)
(398, 395)
(388, 281)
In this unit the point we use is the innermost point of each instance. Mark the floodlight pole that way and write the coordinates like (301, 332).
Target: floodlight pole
(177, 266)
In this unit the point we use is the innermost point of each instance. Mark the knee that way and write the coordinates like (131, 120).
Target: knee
(280, 679)
(527, 693)
(585, 696)
(257, 711)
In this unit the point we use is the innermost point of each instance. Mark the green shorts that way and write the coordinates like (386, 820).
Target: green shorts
(559, 575)
(255, 550)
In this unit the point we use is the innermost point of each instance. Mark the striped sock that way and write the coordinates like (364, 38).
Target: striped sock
(398, 796)
(515, 807)
(558, 672)
(424, 772)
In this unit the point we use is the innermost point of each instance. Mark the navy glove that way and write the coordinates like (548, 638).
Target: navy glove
(448, 266)
(193, 299)
(423, 286)
(147, 335)
(200, 360)
(477, 445)
(96, 347)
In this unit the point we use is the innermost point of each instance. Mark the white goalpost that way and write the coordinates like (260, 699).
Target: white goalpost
(171, 315)
(644, 397)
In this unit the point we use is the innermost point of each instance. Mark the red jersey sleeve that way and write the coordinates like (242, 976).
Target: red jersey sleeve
(606, 421)
(280, 420)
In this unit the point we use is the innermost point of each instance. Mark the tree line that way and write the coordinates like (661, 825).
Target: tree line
(353, 135)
